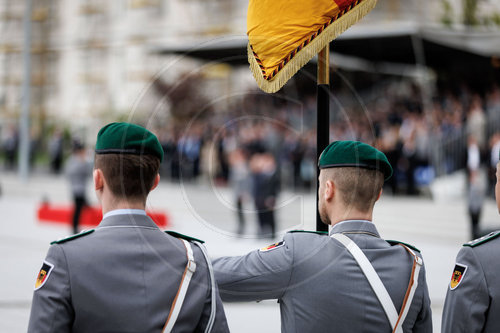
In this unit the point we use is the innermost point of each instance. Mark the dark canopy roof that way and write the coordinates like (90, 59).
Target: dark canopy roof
(466, 54)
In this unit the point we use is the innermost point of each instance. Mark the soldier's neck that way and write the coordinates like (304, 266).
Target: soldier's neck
(352, 214)
(109, 205)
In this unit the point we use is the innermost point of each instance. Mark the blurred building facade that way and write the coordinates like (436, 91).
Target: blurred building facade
(93, 61)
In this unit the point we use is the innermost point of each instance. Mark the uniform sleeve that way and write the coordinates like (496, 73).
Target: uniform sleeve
(423, 324)
(261, 274)
(465, 306)
(51, 309)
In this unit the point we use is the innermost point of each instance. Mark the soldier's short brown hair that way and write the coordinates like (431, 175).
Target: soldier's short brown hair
(359, 187)
(128, 176)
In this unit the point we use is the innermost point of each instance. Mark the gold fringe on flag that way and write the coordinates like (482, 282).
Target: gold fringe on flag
(308, 51)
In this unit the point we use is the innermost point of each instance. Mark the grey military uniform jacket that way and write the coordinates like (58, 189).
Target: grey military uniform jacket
(319, 285)
(473, 305)
(122, 277)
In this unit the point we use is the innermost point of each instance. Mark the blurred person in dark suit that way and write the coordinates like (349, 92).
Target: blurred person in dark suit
(265, 187)
(56, 151)
(10, 145)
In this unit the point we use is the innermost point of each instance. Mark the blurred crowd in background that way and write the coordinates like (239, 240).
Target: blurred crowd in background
(422, 139)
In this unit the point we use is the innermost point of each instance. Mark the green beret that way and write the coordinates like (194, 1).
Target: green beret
(125, 138)
(340, 154)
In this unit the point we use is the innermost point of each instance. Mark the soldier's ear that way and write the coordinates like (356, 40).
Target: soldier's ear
(379, 194)
(98, 180)
(329, 190)
(155, 183)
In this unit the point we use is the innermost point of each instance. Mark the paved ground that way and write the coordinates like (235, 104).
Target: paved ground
(205, 211)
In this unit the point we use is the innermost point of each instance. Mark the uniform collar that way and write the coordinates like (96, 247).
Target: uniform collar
(355, 226)
(127, 217)
(125, 212)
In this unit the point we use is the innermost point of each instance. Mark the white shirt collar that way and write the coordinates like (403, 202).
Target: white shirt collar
(125, 212)
(349, 221)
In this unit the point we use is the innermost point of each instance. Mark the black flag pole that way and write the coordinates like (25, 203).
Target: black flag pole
(322, 117)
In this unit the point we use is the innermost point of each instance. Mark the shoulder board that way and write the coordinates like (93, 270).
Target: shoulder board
(484, 239)
(181, 236)
(395, 242)
(75, 236)
(310, 232)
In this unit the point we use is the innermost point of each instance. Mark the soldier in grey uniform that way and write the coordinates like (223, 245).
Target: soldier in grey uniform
(473, 298)
(350, 280)
(126, 275)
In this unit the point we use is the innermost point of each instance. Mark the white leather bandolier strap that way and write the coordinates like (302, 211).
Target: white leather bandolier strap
(183, 287)
(412, 285)
(377, 285)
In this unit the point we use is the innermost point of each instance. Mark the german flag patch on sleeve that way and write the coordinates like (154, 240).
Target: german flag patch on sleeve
(43, 275)
(272, 246)
(458, 275)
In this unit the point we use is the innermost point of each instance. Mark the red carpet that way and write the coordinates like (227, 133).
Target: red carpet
(90, 216)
